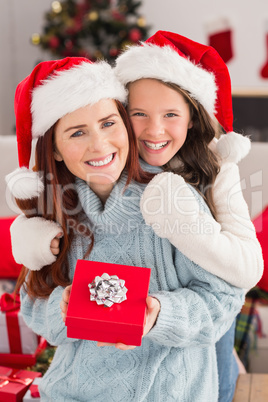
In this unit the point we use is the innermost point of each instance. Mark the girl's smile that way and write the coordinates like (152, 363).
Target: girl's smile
(160, 118)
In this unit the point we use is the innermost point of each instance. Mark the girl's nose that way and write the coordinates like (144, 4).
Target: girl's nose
(155, 127)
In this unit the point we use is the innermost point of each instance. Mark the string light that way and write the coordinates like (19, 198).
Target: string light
(56, 7)
(36, 39)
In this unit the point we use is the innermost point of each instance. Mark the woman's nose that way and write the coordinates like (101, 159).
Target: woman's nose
(96, 142)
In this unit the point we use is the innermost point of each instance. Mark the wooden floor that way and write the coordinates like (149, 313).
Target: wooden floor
(251, 388)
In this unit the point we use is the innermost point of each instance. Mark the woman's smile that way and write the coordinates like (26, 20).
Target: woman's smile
(102, 162)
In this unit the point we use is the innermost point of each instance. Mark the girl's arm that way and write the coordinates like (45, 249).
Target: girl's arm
(34, 241)
(227, 247)
(197, 314)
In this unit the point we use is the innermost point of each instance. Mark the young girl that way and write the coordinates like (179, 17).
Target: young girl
(82, 148)
(164, 75)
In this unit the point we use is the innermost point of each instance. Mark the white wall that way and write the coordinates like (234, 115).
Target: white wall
(249, 23)
(19, 19)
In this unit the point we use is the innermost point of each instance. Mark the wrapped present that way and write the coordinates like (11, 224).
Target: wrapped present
(108, 302)
(19, 345)
(15, 336)
(15, 383)
(17, 360)
(32, 395)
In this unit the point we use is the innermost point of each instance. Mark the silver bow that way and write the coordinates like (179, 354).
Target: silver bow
(107, 290)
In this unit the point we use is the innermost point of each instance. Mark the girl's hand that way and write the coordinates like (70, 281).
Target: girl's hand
(64, 301)
(55, 244)
(152, 311)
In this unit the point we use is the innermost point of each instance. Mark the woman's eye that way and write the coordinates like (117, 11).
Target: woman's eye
(77, 133)
(108, 124)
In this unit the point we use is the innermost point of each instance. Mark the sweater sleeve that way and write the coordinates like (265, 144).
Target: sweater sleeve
(43, 316)
(228, 248)
(197, 314)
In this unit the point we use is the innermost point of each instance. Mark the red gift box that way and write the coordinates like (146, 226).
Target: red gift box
(33, 392)
(123, 322)
(14, 383)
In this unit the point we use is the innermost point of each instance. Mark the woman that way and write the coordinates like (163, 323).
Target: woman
(197, 308)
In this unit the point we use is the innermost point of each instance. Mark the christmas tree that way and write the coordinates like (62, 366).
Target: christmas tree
(94, 29)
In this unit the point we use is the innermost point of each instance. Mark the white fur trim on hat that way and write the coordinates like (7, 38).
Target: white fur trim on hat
(165, 64)
(233, 147)
(23, 183)
(66, 91)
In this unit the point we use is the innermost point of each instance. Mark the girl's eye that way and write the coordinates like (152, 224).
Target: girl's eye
(108, 124)
(77, 134)
(170, 115)
(138, 114)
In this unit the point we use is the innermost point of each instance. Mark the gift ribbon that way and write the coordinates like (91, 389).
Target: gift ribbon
(10, 305)
(12, 377)
(107, 290)
(34, 391)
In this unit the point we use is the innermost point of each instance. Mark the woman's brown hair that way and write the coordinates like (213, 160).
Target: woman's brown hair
(59, 202)
(196, 163)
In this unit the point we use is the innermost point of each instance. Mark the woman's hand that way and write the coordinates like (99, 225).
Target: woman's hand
(65, 301)
(152, 311)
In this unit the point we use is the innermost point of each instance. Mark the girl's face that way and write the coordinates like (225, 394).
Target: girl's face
(160, 118)
(93, 143)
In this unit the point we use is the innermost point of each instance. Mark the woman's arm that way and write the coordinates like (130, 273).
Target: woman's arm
(43, 316)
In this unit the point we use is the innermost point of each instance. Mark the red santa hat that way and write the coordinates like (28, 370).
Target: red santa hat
(53, 89)
(195, 67)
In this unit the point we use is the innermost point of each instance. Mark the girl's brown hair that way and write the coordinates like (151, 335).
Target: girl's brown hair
(196, 163)
(59, 202)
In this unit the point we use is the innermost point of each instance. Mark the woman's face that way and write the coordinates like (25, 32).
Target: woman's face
(93, 143)
(160, 118)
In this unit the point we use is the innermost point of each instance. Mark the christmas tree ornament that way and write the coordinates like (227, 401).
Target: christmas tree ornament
(98, 55)
(135, 35)
(93, 16)
(54, 42)
(141, 22)
(220, 37)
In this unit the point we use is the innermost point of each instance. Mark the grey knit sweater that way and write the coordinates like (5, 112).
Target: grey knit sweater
(177, 358)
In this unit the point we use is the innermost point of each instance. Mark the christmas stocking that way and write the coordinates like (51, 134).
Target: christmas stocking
(220, 37)
(264, 70)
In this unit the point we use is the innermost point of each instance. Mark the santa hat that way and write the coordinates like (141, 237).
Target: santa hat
(195, 67)
(53, 89)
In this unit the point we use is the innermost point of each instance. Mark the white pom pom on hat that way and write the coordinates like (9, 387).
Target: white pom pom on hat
(233, 147)
(195, 67)
(53, 89)
(23, 181)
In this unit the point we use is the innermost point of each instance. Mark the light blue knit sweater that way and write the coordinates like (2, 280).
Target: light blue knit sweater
(177, 359)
